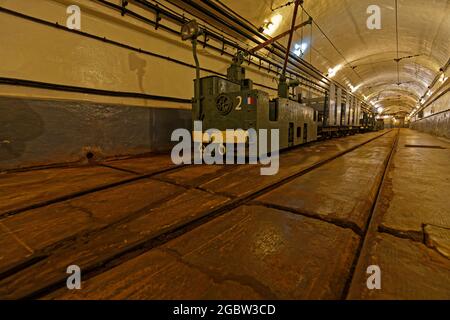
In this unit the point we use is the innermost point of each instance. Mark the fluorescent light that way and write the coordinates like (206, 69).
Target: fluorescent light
(354, 88)
(299, 49)
(273, 24)
(332, 71)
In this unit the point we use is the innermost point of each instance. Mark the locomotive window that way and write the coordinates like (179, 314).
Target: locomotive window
(305, 133)
(299, 132)
(273, 111)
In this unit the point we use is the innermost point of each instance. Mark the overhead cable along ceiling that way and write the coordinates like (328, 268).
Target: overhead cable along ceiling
(406, 54)
(221, 13)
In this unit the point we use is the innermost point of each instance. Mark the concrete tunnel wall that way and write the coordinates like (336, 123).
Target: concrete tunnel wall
(436, 119)
(41, 126)
(38, 132)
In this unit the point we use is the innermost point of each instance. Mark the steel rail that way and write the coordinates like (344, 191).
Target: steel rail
(370, 225)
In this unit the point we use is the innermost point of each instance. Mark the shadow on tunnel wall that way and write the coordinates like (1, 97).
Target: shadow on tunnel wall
(44, 132)
(19, 125)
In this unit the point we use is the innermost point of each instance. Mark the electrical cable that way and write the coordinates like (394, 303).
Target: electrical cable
(332, 44)
(396, 36)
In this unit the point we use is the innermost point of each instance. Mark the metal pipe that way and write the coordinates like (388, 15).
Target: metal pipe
(436, 78)
(255, 32)
(278, 37)
(121, 45)
(175, 18)
(180, 20)
(278, 47)
(291, 34)
(228, 43)
(441, 70)
(307, 69)
(102, 92)
(196, 114)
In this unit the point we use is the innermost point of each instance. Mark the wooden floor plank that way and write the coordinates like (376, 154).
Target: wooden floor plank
(143, 165)
(250, 253)
(43, 227)
(417, 190)
(341, 191)
(248, 179)
(97, 247)
(409, 271)
(23, 189)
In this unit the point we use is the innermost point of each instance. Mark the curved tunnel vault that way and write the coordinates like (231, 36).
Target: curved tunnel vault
(367, 60)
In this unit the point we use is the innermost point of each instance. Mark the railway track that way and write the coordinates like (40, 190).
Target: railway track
(372, 223)
(46, 267)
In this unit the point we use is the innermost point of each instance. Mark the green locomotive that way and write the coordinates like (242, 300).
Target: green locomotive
(233, 103)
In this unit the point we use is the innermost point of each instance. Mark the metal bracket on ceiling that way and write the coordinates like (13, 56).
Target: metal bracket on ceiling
(157, 17)
(223, 46)
(124, 7)
(205, 34)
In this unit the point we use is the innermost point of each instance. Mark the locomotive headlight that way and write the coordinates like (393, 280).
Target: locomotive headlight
(190, 30)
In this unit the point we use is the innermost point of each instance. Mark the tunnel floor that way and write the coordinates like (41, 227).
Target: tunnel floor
(143, 228)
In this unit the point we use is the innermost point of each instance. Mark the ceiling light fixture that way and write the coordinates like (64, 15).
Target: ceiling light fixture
(190, 30)
(299, 49)
(353, 89)
(332, 71)
(443, 78)
(270, 26)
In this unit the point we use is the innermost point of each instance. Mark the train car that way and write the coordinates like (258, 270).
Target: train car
(368, 122)
(342, 116)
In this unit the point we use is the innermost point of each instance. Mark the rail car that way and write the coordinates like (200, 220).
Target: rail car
(337, 118)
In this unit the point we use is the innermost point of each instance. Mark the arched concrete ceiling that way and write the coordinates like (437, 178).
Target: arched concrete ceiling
(368, 56)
